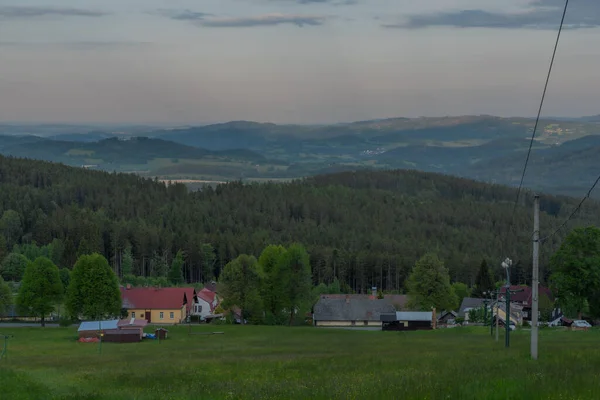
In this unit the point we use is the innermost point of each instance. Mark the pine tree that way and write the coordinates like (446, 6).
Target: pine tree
(176, 271)
(484, 283)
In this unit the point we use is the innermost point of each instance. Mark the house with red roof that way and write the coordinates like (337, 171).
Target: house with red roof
(159, 305)
(523, 299)
(206, 303)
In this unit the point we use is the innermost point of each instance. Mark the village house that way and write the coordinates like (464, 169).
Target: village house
(350, 310)
(408, 320)
(205, 303)
(522, 300)
(159, 305)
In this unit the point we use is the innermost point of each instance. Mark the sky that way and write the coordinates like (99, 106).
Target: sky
(184, 62)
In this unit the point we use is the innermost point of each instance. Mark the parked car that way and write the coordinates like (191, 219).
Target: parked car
(581, 324)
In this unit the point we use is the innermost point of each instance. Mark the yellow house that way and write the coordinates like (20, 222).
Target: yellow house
(158, 305)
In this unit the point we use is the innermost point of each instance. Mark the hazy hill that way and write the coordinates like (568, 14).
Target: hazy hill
(484, 147)
(113, 153)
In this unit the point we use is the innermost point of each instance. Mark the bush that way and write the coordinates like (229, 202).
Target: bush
(65, 322)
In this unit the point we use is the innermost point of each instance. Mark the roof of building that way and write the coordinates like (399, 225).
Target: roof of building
(132, 322)
(468, 303)
(414, 315)
(524, 294)
(398, 300)
(153, 298)
(121, 332)
(98, 325)
(207, 295)
(351, 309)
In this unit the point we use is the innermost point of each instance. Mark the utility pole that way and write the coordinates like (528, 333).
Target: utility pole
(507, 318)
(506, 264)
(497, 310)
(536, 278)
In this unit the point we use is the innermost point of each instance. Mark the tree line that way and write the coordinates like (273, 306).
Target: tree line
(361, 228)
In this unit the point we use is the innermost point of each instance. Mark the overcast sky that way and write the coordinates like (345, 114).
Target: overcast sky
(294, 61)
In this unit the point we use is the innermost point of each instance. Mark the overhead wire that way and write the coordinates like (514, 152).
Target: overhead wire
(537, 120)
(587, 196)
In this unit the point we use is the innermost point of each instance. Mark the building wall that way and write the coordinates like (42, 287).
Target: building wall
(178, 315)
(357, 324)
(205, 308)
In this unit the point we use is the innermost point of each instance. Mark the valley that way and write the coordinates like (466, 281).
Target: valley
(486, 148)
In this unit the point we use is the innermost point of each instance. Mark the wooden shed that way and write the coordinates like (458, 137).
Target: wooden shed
(90, 329)
(121, 336)
(408, 321)
(161, 333)
(133, 324)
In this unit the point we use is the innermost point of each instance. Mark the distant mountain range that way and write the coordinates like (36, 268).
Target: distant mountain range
(482, 147)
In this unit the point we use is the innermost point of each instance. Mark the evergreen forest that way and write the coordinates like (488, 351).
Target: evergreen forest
(361, 228)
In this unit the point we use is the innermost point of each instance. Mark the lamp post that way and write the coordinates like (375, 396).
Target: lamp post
(506, 264)
(492, 294)
(485, 304)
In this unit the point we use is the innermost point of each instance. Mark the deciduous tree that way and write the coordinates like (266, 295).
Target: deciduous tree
(429, 285)
(41, 288)
(272, 289)
(461, 290)
(94, 289)
(241, 282)
(6, 297)
(576, 268)
(13, 267)
(296, 274)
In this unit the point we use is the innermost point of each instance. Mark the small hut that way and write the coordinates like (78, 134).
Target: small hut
(121, 336)
(90, 329)
(161, 333)
(133, 324)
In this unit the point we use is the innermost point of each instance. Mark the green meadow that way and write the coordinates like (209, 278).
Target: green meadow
(257, 362)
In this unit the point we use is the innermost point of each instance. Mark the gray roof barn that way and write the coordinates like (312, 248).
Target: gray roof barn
(351, 309)
(468, 303)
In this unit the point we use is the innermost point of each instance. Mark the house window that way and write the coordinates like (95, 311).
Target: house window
(162, 315)
(172, 315)
(133, 314)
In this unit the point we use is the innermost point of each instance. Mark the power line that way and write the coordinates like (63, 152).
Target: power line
(537, 120)
(574, 211)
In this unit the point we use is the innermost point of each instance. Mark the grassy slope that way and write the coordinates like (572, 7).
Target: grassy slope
(301, 363)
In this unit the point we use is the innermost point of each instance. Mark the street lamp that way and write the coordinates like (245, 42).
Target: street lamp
(485, 307)
(506, 264)
(491, 295)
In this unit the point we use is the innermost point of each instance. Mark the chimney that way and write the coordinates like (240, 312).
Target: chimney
(374, 291)
(433, 318)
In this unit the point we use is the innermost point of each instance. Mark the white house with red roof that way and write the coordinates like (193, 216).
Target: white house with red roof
(206, 303)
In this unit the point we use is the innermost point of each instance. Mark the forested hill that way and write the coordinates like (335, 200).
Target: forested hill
(367, 228)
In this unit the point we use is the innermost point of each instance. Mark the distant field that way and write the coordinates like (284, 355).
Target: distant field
(251, 362)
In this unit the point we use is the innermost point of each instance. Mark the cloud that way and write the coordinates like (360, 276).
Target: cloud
(77, 45)
(184, 15)
(264, 20)
(331, 2)
(211, 21)
(541, 14)
(15, 12)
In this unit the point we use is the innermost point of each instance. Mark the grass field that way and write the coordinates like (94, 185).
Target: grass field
(253, 362)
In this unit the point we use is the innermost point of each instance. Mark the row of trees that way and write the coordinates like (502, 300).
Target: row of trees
(91, 290)
(273, 289)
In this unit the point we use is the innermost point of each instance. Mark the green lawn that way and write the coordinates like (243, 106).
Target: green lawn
(253, 362)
